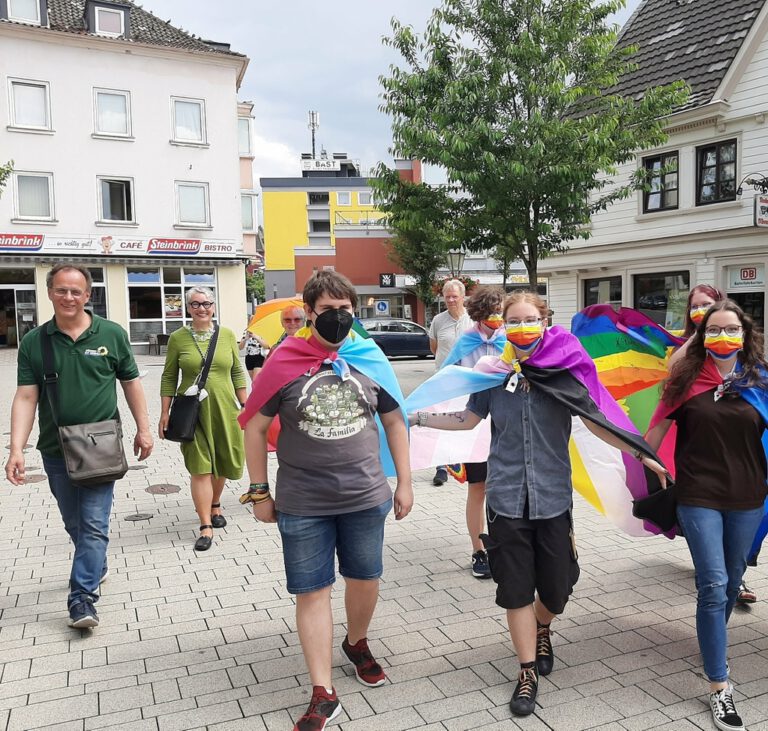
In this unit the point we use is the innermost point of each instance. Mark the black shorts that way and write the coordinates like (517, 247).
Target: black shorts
(254, 361)
(476, 471)
(528, 556)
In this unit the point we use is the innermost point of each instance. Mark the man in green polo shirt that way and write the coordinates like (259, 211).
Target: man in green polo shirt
(90, 355)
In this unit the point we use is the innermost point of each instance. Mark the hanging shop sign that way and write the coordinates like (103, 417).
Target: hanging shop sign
(108, 244)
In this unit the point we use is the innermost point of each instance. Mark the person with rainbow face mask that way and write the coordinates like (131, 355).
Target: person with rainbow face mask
(700, 299)
(486, 337)
(717, 394)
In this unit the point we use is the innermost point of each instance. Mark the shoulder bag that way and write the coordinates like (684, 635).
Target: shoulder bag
(93, 453)
(185, 410)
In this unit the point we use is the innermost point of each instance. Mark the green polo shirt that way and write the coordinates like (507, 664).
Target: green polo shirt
(88, 369)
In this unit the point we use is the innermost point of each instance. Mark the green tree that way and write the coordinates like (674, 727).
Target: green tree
(513, 98)
(5, 173)
(423, 220)
(254, 285)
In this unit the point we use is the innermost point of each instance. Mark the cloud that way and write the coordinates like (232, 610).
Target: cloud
(274, 159)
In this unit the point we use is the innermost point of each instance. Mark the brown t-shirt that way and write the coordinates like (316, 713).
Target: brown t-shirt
(719, 455)
(328, 448)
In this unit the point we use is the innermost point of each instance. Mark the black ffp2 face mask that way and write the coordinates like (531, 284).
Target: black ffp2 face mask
(333, 325)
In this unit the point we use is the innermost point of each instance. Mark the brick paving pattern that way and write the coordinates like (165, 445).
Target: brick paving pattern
(208, 640)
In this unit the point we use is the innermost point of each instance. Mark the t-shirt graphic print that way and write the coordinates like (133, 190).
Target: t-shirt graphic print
(332, 409)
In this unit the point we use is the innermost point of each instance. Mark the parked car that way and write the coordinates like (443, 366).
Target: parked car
(398, 337)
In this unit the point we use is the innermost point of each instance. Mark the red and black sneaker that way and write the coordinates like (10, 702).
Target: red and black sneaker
(322, 708)
(367, 670)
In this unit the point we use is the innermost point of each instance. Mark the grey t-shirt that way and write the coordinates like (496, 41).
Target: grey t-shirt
(328, 448)
(446, 331)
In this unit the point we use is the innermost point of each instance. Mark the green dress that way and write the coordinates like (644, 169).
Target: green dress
(217, 448)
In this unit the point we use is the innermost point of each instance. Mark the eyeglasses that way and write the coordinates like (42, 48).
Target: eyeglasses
(64, 291)
(293, 319)
(712, 331)
(198, 305)
(528, 322)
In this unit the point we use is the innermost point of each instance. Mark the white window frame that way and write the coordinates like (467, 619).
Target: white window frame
(252, 197)
(14, 125)
(129, 126)
(100, 202)
(197, 184)
(249, 122)
(341, 193)
(98, 10)
(18, 19)
(370, 198)
(51, 202)
(203, 122)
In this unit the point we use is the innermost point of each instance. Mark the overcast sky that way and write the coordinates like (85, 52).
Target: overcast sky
(304, 55)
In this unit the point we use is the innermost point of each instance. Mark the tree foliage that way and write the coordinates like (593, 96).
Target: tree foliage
(424, 222)
(254, 285)
(513, 99)
(5, 173)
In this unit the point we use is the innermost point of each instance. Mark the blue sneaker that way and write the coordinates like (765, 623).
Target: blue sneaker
(480, 567)
(83, 615)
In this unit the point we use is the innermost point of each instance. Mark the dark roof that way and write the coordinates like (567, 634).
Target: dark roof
(694, 40)
(68, 16)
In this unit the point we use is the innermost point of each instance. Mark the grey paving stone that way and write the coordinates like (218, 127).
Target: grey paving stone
(52, 713)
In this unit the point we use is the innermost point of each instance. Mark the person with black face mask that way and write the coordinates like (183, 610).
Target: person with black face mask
(329, 388)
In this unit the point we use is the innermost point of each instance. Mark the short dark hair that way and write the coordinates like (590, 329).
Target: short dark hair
(62, 267)
(484, 302)
(331, 284)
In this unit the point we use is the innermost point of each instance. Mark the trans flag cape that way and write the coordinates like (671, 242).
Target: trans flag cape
(708, 379)
(606, 477)
(303, 354)
(470, 341)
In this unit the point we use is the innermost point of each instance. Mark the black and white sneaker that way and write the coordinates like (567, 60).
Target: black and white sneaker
(724, 710)
(83, 615)
(480, 567)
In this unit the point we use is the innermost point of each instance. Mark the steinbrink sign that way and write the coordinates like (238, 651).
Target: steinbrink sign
(108, 245)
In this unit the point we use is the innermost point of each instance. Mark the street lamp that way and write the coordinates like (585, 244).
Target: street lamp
(455, 262)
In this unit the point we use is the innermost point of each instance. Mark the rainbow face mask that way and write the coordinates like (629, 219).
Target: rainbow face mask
(524, 337)
(697, 314)
(494, 322)
(723, 346)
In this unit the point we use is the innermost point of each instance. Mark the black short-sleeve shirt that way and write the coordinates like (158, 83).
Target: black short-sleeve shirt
(719, 457)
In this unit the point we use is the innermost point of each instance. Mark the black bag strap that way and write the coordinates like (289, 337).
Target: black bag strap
(50, 376)
(203, 377)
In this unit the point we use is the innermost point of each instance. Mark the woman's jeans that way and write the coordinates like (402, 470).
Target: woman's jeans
(85, 512)
(719, 541)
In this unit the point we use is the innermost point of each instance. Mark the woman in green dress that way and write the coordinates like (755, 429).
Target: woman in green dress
(216, 453)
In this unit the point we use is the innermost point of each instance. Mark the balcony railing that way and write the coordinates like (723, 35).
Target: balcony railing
(365, 217)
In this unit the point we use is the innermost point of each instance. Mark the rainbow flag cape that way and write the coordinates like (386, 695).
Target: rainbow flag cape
(606, 477)
(630, 352)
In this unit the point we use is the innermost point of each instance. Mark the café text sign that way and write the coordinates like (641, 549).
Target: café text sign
(109, 245)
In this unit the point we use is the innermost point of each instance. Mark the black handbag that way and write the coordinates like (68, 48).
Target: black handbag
(185, 410)
(659, 508)
(93, 453)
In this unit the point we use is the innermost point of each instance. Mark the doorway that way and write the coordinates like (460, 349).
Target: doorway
(753, 303)
(7, 318)
(18, 314)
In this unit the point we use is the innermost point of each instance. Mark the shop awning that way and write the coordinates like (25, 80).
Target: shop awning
(127, 260)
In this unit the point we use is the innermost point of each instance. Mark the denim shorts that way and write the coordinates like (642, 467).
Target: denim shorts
(310, 542)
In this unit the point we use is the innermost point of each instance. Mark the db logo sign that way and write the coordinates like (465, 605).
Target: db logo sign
(748, 273)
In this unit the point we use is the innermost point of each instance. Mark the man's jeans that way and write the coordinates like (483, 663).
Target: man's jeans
(719, 541)
(85, 512)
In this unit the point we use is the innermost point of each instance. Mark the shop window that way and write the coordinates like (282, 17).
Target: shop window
(244, 136)
(98, 301)
(200, 276)
(144, 303)
(192, 204)
(25, 11)
(112, 112)
(661, 172)
(716, 173)
(30, 104)
(116, 200)
(17, 276)
(343, 198)
(188, 120)
(172, 275)
(663, 297)
(143, 276)
(34, 196)
(602, 291)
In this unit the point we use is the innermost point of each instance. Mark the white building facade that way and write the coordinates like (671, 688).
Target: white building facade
(697, 223)
(125, 139)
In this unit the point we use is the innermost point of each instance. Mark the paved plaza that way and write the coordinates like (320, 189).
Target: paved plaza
(208, 640)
